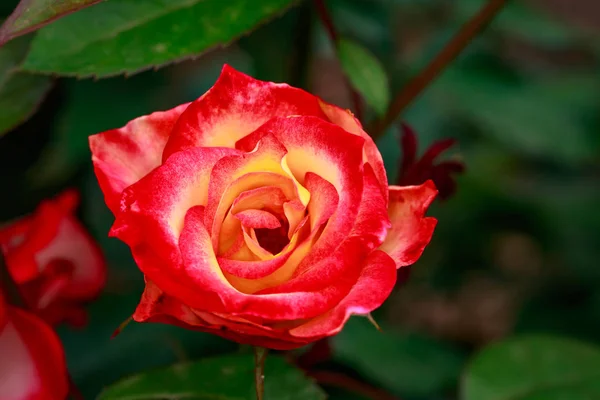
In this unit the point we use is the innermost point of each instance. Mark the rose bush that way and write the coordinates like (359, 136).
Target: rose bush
(33, 364)
(56, 264)
(258, 212)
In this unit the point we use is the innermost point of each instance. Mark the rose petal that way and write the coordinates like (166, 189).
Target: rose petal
(163, 197)
(251, 277)
(324, 199)
(74, 245)
(327, 150)
(374, 285)
(123, 156)
(200, 269)
(345, 262)
(33, 365)
(410, 231)
(258, 219)
(270, 197)
(157, 306)
(371, 154)
(235, 174)
(236, 105)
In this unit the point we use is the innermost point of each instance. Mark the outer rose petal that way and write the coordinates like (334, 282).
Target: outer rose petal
(162, 198)
(371, 154)
(125, 155)
(236, 105)
(374, 285)
(157, 306)
(33, 365)
(410, 231)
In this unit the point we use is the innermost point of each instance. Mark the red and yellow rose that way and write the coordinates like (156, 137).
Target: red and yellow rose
(258, 212)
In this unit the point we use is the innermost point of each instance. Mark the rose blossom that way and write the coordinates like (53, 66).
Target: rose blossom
(56, 264)
(33, 365)
(258, 212)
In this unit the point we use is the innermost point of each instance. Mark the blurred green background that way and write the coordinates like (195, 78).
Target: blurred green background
(516, 249)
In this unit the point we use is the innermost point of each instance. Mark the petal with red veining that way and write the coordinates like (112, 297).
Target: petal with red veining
(236, 105)
(163, 197)
(253, 218)
(371, 154)
(374, 285)
(33, 363)
(123, 156)
(411, 231)
(200, 269)
(327, 150)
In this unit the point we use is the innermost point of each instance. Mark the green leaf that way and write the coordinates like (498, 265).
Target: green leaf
(366, 74)
(33, 14)
(407, 364)
(20, 93)
(127, 36)
(223, 378)
(534, 368)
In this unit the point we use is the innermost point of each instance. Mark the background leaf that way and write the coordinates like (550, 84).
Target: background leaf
(534, 368)
(407, 364)
(223, 378)
(20, 93)
(366, 74)
(126, 36)
(33, 14)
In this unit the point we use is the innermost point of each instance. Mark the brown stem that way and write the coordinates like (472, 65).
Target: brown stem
(330, 28)
(14, 297)
(456, 45)
(337, 379)
(260, 355)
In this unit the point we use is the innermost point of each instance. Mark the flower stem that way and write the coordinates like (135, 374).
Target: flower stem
(418, 83)
(260, 355)
(333, 35)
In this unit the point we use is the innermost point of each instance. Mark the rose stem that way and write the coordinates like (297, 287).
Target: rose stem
(9, 286)
(418, 83)
(260, 355)
(333, 36)
(336, 379)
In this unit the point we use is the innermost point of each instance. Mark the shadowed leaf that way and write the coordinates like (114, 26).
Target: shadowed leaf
(534, 368)
(33, 14)
(127, 36)
(225, 378)
(20, 93)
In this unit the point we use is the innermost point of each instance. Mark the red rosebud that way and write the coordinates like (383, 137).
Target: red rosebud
(33, 365)
(416, 172)
(54, 261)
